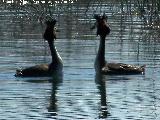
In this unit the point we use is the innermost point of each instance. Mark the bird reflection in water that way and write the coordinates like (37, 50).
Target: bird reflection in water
(53, 106)
(101, 85)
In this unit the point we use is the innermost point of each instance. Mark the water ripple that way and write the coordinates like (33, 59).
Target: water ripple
(81, 94)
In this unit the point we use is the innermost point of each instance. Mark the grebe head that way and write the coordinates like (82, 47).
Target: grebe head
(103, 28)
(50, 32)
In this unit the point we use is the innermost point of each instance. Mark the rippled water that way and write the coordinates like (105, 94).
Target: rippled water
(79, 94)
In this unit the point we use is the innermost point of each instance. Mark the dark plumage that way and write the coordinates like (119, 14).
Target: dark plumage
(43, 70)
(101, 66)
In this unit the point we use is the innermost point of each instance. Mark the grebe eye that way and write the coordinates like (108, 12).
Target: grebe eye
(55, 28)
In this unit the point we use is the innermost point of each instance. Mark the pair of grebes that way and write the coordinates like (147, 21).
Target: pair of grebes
(101, 66)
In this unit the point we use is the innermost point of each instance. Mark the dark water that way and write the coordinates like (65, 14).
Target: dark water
(79, 94)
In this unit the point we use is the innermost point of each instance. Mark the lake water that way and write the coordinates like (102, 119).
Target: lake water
(80, 94)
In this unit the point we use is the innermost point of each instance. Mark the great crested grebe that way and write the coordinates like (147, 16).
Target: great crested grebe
(101, 66)
(44, 70)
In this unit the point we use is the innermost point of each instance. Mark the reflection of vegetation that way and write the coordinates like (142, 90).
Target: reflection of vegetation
(149, 11)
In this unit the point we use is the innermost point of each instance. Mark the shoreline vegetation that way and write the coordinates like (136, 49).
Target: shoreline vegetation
(147, 10)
